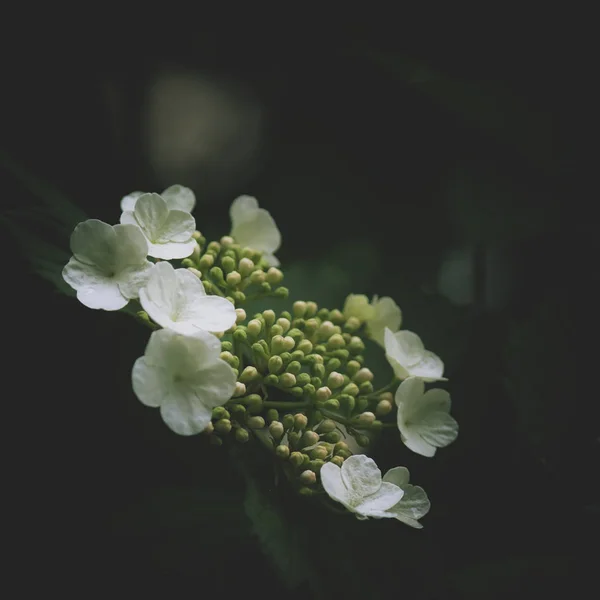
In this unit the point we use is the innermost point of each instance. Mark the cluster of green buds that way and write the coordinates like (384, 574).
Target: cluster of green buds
(229, 270)
(302, 388)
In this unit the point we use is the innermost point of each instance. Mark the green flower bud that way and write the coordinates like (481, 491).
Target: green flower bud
(287, 380)
(272, 415)
(304, 345)
(255, 422)
(309, 388)
(239, 390)
(296, 334)
(265, 287)
(347, 404)
(316, 381)
(269, 317)
(227, 241)
(356, 345)
(326, 330)
(323, 314)
(276, 430)
(351, 389)
(323, 393)
(318, 370)
(220, 412)
(319, 349)
(365, 388)
(335, 380)
(294, 438)
(387, 396)
(297, 459)
(254, 327)
(288, 343)
(254, 403)
(347, 337)
(333, 437)
(361, 404)
(282, 452)
(362, 440)
(311, 326)
(302, 379)
(234, 278)
(230, 299)
(245, 267)
(337, 460)
(333, 364)
(306, 491)
(297, 355)
(335, 342)
(196, 235)
(223, 426)
(277, 330)
(286, 357)
(327, 426)
(360, 359)
(341, 354)
(286, 315)
(366, 418)
(206, 262)
(294, 367)
(186, 263)
(336, 316)
(242, 435)
(315, 465)
(275, 364)
(281, 292)
(215, 440)
(240, 334)
(277, 344)
(319, 452)
(239, 297)
(226, 346)
(352, 324)
(307, 478)
(311, 309)
(310, 438)
(271, 379)
(238, 411)
(299, 309)
(297, 392)
(249, 374)
(340, 446)
(300, 421)
(284, 324)
(258, 277)
(288, 421)
(344, 453)
(230, 359)
(217, 274)
(228, 264)
(384, 407)
(209, 428)
(240, 315)
(274, 275)
(376, 425)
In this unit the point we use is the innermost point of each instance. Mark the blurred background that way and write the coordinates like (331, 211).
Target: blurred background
(439, 170)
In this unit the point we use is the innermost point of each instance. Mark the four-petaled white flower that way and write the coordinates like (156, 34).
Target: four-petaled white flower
(408, 357)
(414, 503)
(177, 197)
(378, 314)
(424, 418)
(185, 377)
(168, 232)
(254, 227)
(357, 484)
(108, 265)
(175, 299)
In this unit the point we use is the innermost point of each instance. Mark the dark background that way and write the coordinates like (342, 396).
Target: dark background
(386, 156)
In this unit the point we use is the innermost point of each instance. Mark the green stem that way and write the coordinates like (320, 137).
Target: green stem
(273, 404)
(385, 388)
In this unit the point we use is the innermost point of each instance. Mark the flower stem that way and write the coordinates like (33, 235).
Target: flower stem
(385, 388)
(283, 404)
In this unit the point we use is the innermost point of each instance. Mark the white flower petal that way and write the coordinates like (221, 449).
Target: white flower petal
(178, 227)
(414, 504)
(179, 197)
(378, 503)
(271, 259)
(94, 242)
(331, 479)
(150, 382)
(172, 250)
(258, 232)
(242, 208)
(429, 368)
(159, 297)
(438, 429)
(131, 247)
(128, 218)
(398, 476)
(128, 202)
(132, 279)
(357, 305)
(361, 475)
(386, 314)
(408, 348)
(399, 371)
(409, 394)
(151, 212)
(417, 444)
(210, 313)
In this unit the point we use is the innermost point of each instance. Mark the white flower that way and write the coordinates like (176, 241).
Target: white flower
(185, 377)
(408, 357)
(254, 227)
(108, 265)
(414, 503)
(168, 232)
(424, 418)
(357, 484)
(379, 314)
(177, 197)
(175, 299)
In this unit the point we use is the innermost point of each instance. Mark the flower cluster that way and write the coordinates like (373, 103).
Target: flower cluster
(295, 382)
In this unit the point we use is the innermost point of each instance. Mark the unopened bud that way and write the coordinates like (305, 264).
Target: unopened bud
(255, 422)
(310, 438)
(282, 451)
(323, 393)
(320, 349)
(227, 241)
(196, 235)
(276, 330)
(230, 359)
(287, 380)
(327, 426)
(316, 464)
(300, 421)
(281, 292)
(240, 389)
(265, 287)
(215, 440)
(257, 277)
(302, 379)
(333, 364)
(305, 346)
(310, 326)
(362, 375)
(234, 278)
(209, 428)
(240, 315)
(186, 263)
(336, 316)
(366, 387)
(276, 430)
(220, 412)
(384, 407)
(195, 272)
(274, 275)
(239, 297)
(249, 374)
(297, 459)
(288, 421)
(335, 380)
(206, 262)
(297, 355)
(362, 440)
(332, 404)
(307, 478)
(348, 403)
(326, 330)
(352, 368)
(269, 317)
(296, 335)
(284, 324)
(299, 309)
(335, 342)
(337, 460)
(351, 389)
(240, 334)
(294, 367)
(309, 388)
(332, 437)
(288, 343)
(245, 267)
(352, 324)
(275, 364)
(318, 370)
(366, 418)
(272, 415)
(228, 264)
(319, 452)
(242, 435)
(277, 344)
(356, 345)
(254, 403)
(386, 396)
(223, 426)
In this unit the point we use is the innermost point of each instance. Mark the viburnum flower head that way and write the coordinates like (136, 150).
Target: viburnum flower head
(177, 197)
(176, 299)
(407, 356)
(424, 418)
(168, 232)
(377, 314)
(108, 265)
(185, 377)
(255, 228)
